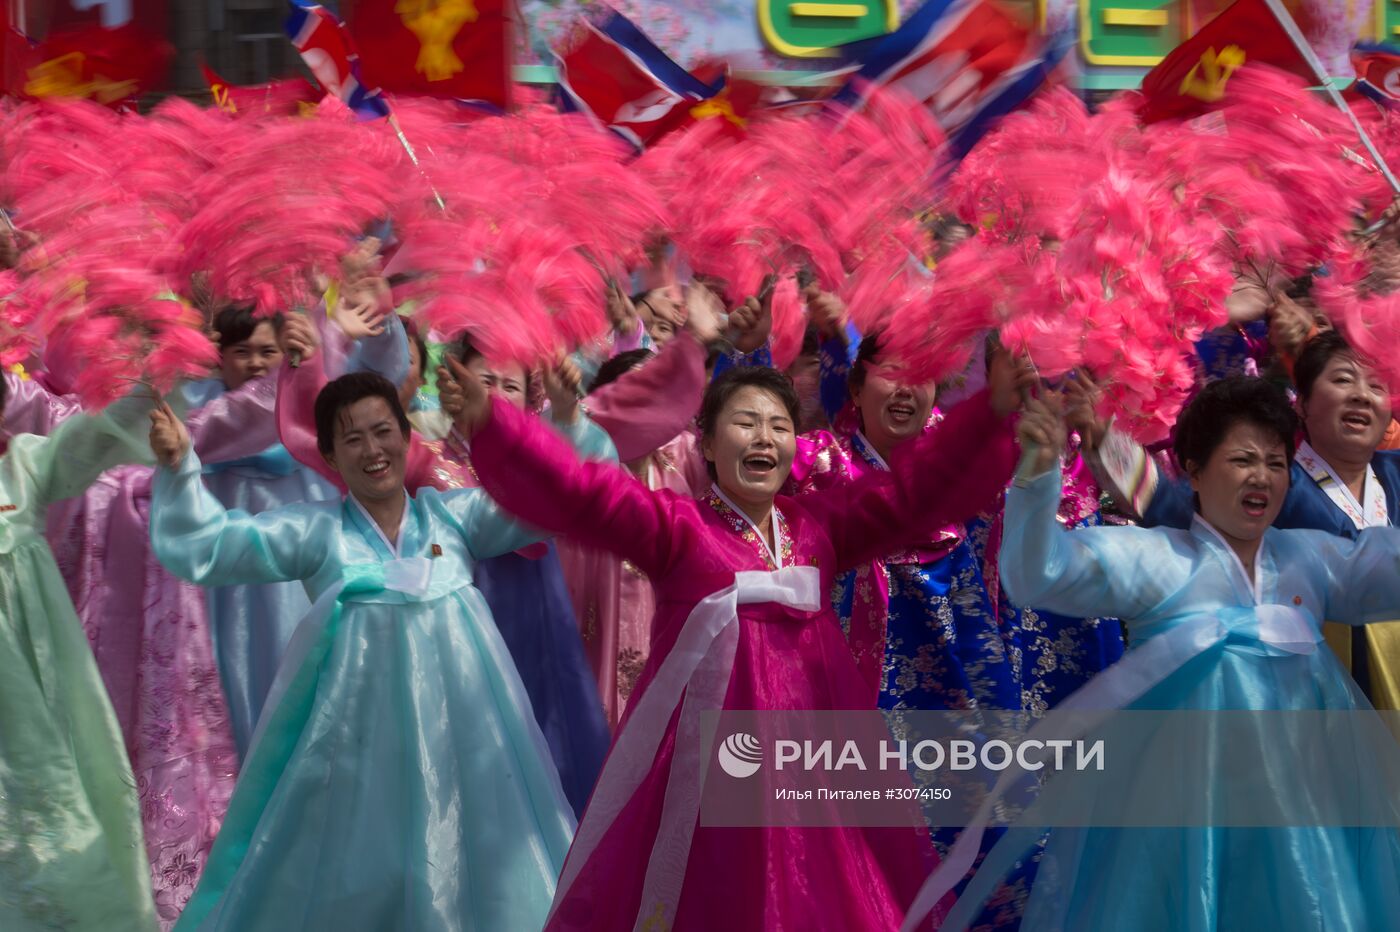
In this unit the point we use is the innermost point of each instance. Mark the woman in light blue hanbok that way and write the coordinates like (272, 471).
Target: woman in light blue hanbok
(397, 780)
(1223, 616)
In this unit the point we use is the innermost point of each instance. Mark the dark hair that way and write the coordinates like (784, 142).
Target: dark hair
(235, 323)
(345, 391)
(411, 329)
(1314, 357)
(811, 342)
(4, 394)
(865, 358)
(1222, 404)
(730, 381)
(617, 367)
(464, 349)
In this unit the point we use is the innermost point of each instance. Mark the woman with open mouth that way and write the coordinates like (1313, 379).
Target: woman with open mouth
(743, 622)
(1341, 483)
(397, 779)
(1225, 616)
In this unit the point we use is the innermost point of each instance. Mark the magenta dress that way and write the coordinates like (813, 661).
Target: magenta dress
(149, 632)
(647, 412)
(724, 600)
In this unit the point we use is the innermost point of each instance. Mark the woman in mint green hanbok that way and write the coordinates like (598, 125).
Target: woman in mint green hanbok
(71, 855)
(1225, 615)
(397, 779)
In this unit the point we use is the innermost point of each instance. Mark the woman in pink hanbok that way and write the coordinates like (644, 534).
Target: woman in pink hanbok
(741, 576)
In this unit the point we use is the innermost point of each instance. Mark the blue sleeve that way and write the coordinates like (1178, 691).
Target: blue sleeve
(838, 355)
(386, 354)
(1172, 505)
(762, 356)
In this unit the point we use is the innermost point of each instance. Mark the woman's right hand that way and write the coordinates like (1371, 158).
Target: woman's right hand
(170, 441)
(298, 337)
(1042, 433)
(463, 397)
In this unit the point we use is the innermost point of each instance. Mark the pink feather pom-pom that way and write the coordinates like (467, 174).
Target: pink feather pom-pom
(789, 322)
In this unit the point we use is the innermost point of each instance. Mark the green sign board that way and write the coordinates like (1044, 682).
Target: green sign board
(810, 28)
(1129, 32)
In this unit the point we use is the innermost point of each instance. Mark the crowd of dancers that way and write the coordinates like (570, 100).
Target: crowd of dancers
(368, 554)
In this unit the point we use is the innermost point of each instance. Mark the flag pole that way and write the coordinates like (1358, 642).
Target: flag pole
(1300, 42)
(413, 157)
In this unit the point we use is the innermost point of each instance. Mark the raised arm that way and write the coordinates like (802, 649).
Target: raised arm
(1128, 473)
(649, 406)
(534, 474)
(30, 408)
(1082, 573)
(195, 538)
(236, 424)
(950, 473)
(83, 447)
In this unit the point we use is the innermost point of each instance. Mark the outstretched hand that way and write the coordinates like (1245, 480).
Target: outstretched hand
(360, 320)
(170, 441)
(464, 397)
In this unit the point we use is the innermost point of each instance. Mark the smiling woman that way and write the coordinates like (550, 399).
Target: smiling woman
(397, 698)
(743, 622)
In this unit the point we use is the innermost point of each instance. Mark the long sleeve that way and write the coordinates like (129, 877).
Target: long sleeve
(950, 473)
(296, 418)
(647, 407)
(83, 447)
(195, 538)
(236, 424)
(488, 529)
(1363, 574)
(532, 472)
(30, 408)
(386, 354)
(837, 356)
(1082, 573)
(1133, 480)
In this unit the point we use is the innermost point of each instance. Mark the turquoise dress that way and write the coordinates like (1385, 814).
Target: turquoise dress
(397, 780)
(71, 855)
(1204, 636)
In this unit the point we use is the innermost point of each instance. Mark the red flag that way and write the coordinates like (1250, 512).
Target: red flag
(282, 98)
(111, 66)
(437, 48)
(1193, 77)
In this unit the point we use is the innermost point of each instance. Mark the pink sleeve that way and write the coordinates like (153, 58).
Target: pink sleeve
(533, 473)
(30, 408)
(649, 406)
(296, 415)
(818, 463)
(949, 474)
(626, 342)
(236, 424)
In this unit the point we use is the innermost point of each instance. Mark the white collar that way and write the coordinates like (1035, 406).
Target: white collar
(775, 519)
(871, 451)
(1374, 513)
(403, 523)
(1254, 586)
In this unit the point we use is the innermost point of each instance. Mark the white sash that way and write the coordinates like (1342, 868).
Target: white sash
(698, 669)
(1142, 668)
(1372, 514)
